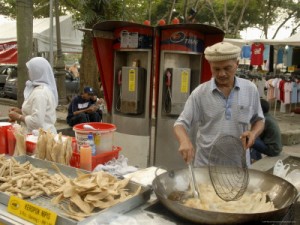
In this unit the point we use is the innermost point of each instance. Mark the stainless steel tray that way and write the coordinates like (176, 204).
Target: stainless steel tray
(44, 201)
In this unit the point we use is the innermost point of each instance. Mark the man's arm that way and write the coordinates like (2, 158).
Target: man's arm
(248, 137)
(186, 148)
(77, 111)
(87, 110)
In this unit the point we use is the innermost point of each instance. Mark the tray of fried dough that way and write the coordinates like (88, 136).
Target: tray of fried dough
(76, 196)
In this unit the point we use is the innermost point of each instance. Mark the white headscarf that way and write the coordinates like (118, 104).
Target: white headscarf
(40, 73)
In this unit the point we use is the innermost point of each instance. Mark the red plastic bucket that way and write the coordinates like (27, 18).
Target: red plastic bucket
(4, 126)
(103, 135)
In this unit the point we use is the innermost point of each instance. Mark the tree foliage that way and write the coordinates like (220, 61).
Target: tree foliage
(231, 16)
(24, 13)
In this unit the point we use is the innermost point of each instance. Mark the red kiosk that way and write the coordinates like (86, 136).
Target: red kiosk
(124, 54)
(182, 68)
(144, 68)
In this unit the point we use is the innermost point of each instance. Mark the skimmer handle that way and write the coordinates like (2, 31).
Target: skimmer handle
(194, 185)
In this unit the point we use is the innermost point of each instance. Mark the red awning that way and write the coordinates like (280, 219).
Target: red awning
(8, 53)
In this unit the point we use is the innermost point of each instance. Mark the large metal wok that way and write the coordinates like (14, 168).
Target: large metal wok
(282, 193)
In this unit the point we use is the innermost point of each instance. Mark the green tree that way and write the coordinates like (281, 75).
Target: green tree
(233, 16)
(91, 12)
(288, 12)
(225, 14)
(24, 39)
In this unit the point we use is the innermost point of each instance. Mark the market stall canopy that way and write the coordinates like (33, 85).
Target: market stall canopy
(241, 42)
(292, 40)
(70, 37)
(238, 42)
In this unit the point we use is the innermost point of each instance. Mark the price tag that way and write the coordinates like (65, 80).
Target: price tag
(131, 83)
(31, 212)
(184, 82)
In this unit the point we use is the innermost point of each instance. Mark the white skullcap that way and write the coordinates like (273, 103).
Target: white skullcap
(222, 51)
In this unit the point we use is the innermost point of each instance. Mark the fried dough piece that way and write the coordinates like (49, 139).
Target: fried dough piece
(49, 146)
(68, 150)
(105, 204)
(74, 214)
(58, 198)
(95, 197)
(41, 145)
(84, 206)
(20, 148)
(57, 151)
(26, 181)
(90, 192)
(69, 191)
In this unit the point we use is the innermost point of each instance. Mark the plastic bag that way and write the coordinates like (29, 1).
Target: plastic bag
(116, 167)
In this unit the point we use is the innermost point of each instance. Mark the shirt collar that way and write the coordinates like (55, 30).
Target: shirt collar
(236, 84)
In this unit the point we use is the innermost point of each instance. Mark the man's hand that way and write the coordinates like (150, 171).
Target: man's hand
(187, 151)
(91, 109)
(100, 101)
(186, 148)
(248, 139)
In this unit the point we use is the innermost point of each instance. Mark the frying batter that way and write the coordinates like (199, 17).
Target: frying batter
(249, 203)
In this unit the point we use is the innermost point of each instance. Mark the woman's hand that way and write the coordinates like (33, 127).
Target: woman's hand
(15, 109)
(14, 116)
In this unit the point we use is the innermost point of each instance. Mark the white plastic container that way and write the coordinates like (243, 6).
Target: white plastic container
(103, 135)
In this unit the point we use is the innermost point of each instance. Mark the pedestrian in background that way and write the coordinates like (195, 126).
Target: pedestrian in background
(40, 98)
(269, 142)
(82, 109)
(74, 70)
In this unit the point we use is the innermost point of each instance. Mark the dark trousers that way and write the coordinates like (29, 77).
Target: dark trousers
(84, 118)
(258, 148)
(100, 115)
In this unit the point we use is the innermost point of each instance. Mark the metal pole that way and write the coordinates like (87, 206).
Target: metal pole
(51, 34)
(59, 61)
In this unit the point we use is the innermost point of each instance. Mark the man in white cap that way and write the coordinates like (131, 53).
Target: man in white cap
(224, 105)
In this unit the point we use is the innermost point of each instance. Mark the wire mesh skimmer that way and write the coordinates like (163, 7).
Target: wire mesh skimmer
(228, 168)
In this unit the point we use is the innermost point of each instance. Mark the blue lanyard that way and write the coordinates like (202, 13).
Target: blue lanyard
(228, 104)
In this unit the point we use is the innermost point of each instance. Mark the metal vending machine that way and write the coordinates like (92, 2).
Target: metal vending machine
(181, 69)
(124, 55)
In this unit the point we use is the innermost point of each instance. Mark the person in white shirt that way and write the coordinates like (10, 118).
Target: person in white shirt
(40, 98)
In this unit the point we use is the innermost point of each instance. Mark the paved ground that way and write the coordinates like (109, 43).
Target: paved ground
(289, 124)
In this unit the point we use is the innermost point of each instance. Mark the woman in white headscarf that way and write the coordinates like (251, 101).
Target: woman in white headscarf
(40, 98)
